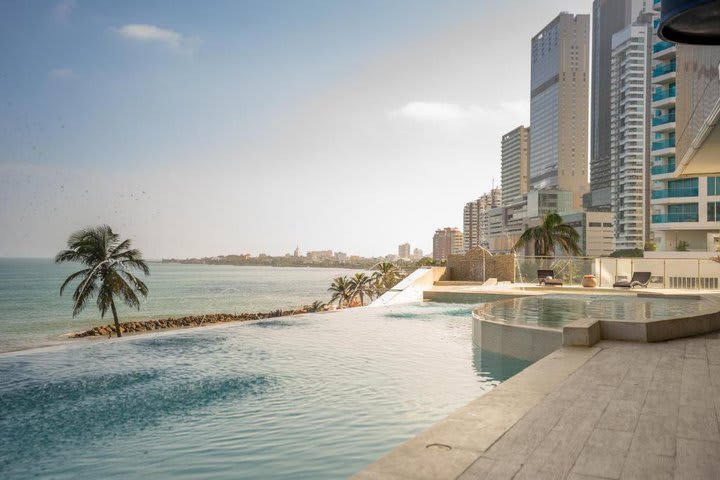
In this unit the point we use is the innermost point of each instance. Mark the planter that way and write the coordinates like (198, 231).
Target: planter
(589, 282)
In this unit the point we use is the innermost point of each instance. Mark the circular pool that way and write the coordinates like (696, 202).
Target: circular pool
(556, 311)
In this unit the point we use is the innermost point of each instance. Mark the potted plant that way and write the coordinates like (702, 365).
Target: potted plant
(589, 281)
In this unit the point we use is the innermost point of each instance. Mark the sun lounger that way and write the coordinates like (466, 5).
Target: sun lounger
(546, 277)
(639, 279)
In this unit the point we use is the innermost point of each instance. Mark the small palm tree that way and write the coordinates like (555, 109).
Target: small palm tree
(110, 265)
(315, 306)
(361, 285)
(340, 289)
(386, 276)
(552, 233)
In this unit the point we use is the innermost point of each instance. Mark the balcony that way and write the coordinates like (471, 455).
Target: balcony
(675, 193)
(663, 119)
(663, 144)
(663, 93)
(664, 69)
(675, 217)
(663, 169)
(660, 46)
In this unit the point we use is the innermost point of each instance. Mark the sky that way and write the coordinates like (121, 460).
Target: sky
(220, 127)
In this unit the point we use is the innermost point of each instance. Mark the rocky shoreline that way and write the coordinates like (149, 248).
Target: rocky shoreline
(182, 322)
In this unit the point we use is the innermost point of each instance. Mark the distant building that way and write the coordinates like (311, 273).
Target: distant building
(514, 164)
(297, 252)
(475, 219)
(404, 250)
(319, 255)
(417, 254)
(630, 132)
(341, 257)
(507, 223)
(596, 232)
(390, 257)
(447, 241)
(608, 17)
(559, 106)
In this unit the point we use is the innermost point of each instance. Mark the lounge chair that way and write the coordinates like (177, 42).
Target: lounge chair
(546, 277)
(639, 279)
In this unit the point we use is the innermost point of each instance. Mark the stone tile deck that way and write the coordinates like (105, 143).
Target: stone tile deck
(620, 411)
(632, 411)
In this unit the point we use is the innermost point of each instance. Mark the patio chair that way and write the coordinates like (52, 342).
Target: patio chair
(639, 279)
(546, 277)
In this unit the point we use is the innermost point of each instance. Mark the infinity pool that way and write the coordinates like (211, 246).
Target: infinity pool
(555, 311)
(316, 396)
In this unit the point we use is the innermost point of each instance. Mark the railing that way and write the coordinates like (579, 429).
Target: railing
(675, 193)
(660, 46)
(663, 93)
(663, 119)
(662, 144)
(685, 273)
(675, 217)
(663, 169)
(664, 69)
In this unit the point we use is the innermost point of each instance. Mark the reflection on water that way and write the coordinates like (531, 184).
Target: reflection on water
(316, 396)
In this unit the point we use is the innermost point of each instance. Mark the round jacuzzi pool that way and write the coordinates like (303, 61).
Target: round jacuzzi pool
(556, 311)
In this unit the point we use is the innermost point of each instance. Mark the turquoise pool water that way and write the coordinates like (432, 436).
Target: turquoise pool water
(555, 311)
(317, 396)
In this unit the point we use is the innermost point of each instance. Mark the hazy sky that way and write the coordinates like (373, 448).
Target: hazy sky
(216, 127)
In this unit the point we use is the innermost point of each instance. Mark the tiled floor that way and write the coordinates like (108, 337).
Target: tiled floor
(633, 411)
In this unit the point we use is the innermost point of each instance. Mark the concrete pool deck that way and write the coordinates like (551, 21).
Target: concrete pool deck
(616, 410)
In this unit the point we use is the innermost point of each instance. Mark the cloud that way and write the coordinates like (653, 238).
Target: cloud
(457, 115)
(151, 34)
(62, 73)
(64, 8)
(435, 112)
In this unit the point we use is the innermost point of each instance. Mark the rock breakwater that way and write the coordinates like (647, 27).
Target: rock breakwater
(181, 322)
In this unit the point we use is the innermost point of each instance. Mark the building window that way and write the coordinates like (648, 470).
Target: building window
(713, 211)
(713, 185)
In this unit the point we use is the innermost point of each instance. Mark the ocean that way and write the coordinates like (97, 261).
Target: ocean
(32, 312)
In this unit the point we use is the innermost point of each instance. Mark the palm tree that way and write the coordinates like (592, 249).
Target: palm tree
(361, 285)
(340, 289)
(552, 233)
(386, 275)
(315, 306)
(110, 265)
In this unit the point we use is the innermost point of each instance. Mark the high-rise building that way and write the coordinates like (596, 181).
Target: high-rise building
(404, 250)
(685, 213)
(475, 219)
(559, 106)
(629, 132)
(447, 241)
(417, 254)
(608, 18)
(514, 164)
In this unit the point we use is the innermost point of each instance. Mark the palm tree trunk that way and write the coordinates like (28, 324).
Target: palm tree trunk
(115, 316)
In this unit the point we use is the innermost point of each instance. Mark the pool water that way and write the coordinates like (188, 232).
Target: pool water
(314, 396)
(555, 311)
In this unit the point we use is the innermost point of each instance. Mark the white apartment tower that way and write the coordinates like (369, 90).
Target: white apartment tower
(629, 135)
(475, 219)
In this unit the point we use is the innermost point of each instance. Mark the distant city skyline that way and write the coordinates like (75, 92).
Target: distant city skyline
(201, 131)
